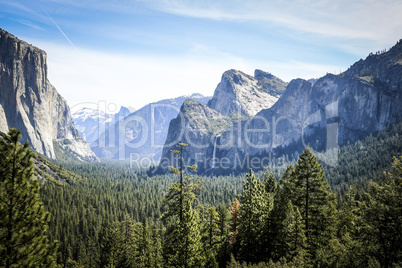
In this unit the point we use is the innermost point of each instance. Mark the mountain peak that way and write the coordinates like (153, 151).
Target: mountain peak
(236, 76)
(239, 94)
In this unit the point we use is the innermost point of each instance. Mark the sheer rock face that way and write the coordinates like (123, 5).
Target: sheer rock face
(323, 113)
(30, 103)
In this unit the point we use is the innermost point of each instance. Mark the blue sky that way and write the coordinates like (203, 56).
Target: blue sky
(132, 52)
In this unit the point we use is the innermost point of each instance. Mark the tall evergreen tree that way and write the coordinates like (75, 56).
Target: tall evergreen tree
(182, 241)
(293, 233)
(312, 195)
(252, 218)
(23, 220)
(223, 256)
(279, 213)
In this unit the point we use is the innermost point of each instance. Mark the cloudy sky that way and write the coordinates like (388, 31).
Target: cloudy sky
(132, 52)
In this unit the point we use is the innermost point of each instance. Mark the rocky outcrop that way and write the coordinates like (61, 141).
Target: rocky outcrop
(30, 103)
(239, 94)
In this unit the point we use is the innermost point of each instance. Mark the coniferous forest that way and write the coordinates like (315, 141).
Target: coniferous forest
(303, 214)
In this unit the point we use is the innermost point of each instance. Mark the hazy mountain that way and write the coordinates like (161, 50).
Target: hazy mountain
(91, 123)
(140, 136)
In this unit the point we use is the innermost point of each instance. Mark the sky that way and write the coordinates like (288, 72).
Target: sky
(133, 52)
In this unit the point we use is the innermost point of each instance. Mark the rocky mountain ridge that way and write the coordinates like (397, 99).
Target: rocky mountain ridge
(325, 113)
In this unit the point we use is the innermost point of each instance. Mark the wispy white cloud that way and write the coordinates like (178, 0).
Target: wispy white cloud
(378, 23)
(30, 24)
(363, 19)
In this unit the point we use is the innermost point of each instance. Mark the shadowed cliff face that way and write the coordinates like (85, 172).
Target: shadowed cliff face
(30, 103)
(332, 111)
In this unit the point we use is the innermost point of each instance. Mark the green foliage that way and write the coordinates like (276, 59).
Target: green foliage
(312, 196)
(293, 232)
(182, 240)
(253, 215)
(129, 244)
(382, 213)
(211, 238)
(364, 161)
(23, 220)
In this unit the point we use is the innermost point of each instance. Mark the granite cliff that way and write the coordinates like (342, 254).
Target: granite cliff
(239, 94)
(30, 103)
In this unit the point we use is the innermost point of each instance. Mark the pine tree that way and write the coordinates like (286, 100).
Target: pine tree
(223, 255)
(157, 258)
(253, 215)
(23, 220)
(182, 239)
(312, 195)
(284, 193)
(270, 182)
(346, 250)
(112, 249)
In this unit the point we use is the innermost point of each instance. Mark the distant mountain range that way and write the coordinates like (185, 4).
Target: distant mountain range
(91, 122)
(248, 120)
(141, 135)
